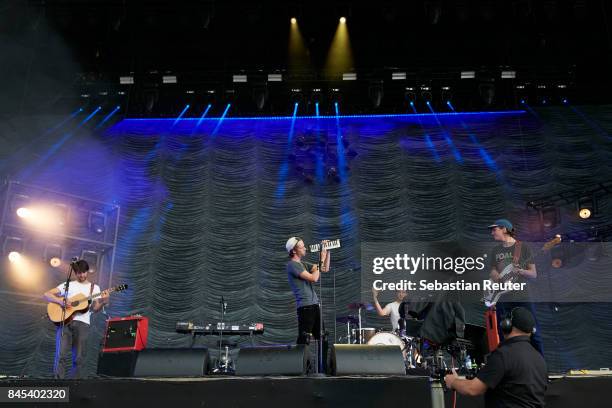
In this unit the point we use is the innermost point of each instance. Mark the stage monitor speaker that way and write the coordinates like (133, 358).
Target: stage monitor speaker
(273, 360)
(126, 333)
(172, 363)
(362, 359)
(117, 363)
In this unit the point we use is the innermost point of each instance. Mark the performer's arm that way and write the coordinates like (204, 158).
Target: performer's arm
(379, 310)
(51, 296)
(471, 388)
(494, 274)
(312, 276)
(100, 302)
(530, 272)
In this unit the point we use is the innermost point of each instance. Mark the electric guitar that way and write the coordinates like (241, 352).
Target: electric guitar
(510, 274)
(77, 303)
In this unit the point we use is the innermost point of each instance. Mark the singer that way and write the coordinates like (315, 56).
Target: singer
(73, 335)
(301, 276)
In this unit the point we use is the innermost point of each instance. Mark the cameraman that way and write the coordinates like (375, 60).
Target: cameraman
(515, 374)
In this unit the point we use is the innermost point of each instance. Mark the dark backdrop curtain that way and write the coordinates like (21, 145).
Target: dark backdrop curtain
(205, 212)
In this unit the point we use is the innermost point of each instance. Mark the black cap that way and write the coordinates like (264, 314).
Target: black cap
(523, 320)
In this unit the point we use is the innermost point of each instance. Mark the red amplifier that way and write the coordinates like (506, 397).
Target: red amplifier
(126, 333)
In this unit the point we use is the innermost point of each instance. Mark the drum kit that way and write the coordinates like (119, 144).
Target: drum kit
(356, 333)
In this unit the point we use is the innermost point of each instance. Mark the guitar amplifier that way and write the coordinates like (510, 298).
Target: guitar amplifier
(126, 333)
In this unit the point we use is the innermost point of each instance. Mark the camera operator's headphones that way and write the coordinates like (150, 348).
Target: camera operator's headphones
(507, 323)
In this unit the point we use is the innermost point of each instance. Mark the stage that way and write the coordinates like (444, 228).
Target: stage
(296, 392)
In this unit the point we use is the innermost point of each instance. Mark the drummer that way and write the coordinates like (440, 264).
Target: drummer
(390, 309)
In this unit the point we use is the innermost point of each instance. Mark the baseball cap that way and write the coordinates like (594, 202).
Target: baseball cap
(502, 223)
(523, 320)
(291, 243)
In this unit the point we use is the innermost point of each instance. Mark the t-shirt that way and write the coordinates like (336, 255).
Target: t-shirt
(303, 290)
(502, 256)
(74, 289)
(394, 315)
(515, 375)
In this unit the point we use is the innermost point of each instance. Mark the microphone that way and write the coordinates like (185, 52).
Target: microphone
(74, 260)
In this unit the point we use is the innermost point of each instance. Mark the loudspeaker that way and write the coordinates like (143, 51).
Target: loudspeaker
(126, 333)
(172, 363)
(362, 359)
(273, 360)
(117, 364)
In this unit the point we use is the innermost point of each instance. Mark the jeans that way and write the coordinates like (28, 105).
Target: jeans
(74, 337)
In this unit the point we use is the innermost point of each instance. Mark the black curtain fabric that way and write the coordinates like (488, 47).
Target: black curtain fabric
(206, 211)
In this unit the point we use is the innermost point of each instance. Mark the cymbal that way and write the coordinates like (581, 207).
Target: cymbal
(347, 319)
(366, 306)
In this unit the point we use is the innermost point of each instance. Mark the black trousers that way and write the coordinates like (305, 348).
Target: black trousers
(74, 338)
(309, 323)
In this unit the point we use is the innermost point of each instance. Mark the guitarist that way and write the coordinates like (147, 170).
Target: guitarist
(511, 251)
(75, 332)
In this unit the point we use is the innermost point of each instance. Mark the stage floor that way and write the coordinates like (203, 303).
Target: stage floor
(293, 392)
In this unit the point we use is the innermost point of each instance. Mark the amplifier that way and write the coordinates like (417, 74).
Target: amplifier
(126, 333)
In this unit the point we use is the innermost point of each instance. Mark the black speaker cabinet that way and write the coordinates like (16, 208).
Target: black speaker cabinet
(172, 363)
(358, 359)
(273, 360)
(117, 363)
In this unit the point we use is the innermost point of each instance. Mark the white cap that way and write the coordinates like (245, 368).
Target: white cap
(291, 243)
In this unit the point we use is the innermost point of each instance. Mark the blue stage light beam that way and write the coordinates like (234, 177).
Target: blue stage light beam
(450, 105)
(317, 109)
(221, 119)
(447, 137)
(185, 109)
(203, 115)
(88, 118)
(107, 117)
(284, 168)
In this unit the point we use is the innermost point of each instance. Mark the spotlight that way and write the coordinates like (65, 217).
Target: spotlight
(13, 246)
(293, 20)
(97, 222)
(426, 94)
(549, 217)
(586, 207)
(342, 20)
(14, 256)
(92, 258)
(53, 255)
(24, 212)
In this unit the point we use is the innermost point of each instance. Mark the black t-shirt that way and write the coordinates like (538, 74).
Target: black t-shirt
(515, 375)
(502, 256)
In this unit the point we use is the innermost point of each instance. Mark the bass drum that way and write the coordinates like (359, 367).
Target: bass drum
(387, 339)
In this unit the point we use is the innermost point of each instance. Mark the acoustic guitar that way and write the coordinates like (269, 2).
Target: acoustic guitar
(75, 304)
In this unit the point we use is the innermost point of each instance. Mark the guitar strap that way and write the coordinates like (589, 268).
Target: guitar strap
(517, 252)
(91, 288)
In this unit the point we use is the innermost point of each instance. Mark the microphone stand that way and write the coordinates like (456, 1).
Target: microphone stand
(321, 331)
(63, 324)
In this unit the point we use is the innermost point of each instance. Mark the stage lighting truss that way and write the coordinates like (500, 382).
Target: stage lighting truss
(585, 202)
(75, 225)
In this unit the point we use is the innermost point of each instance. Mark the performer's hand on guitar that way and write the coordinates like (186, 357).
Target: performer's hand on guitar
(494, 275)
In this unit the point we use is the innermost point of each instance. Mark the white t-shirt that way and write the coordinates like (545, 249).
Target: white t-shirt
(393, 310)
(76, 288)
